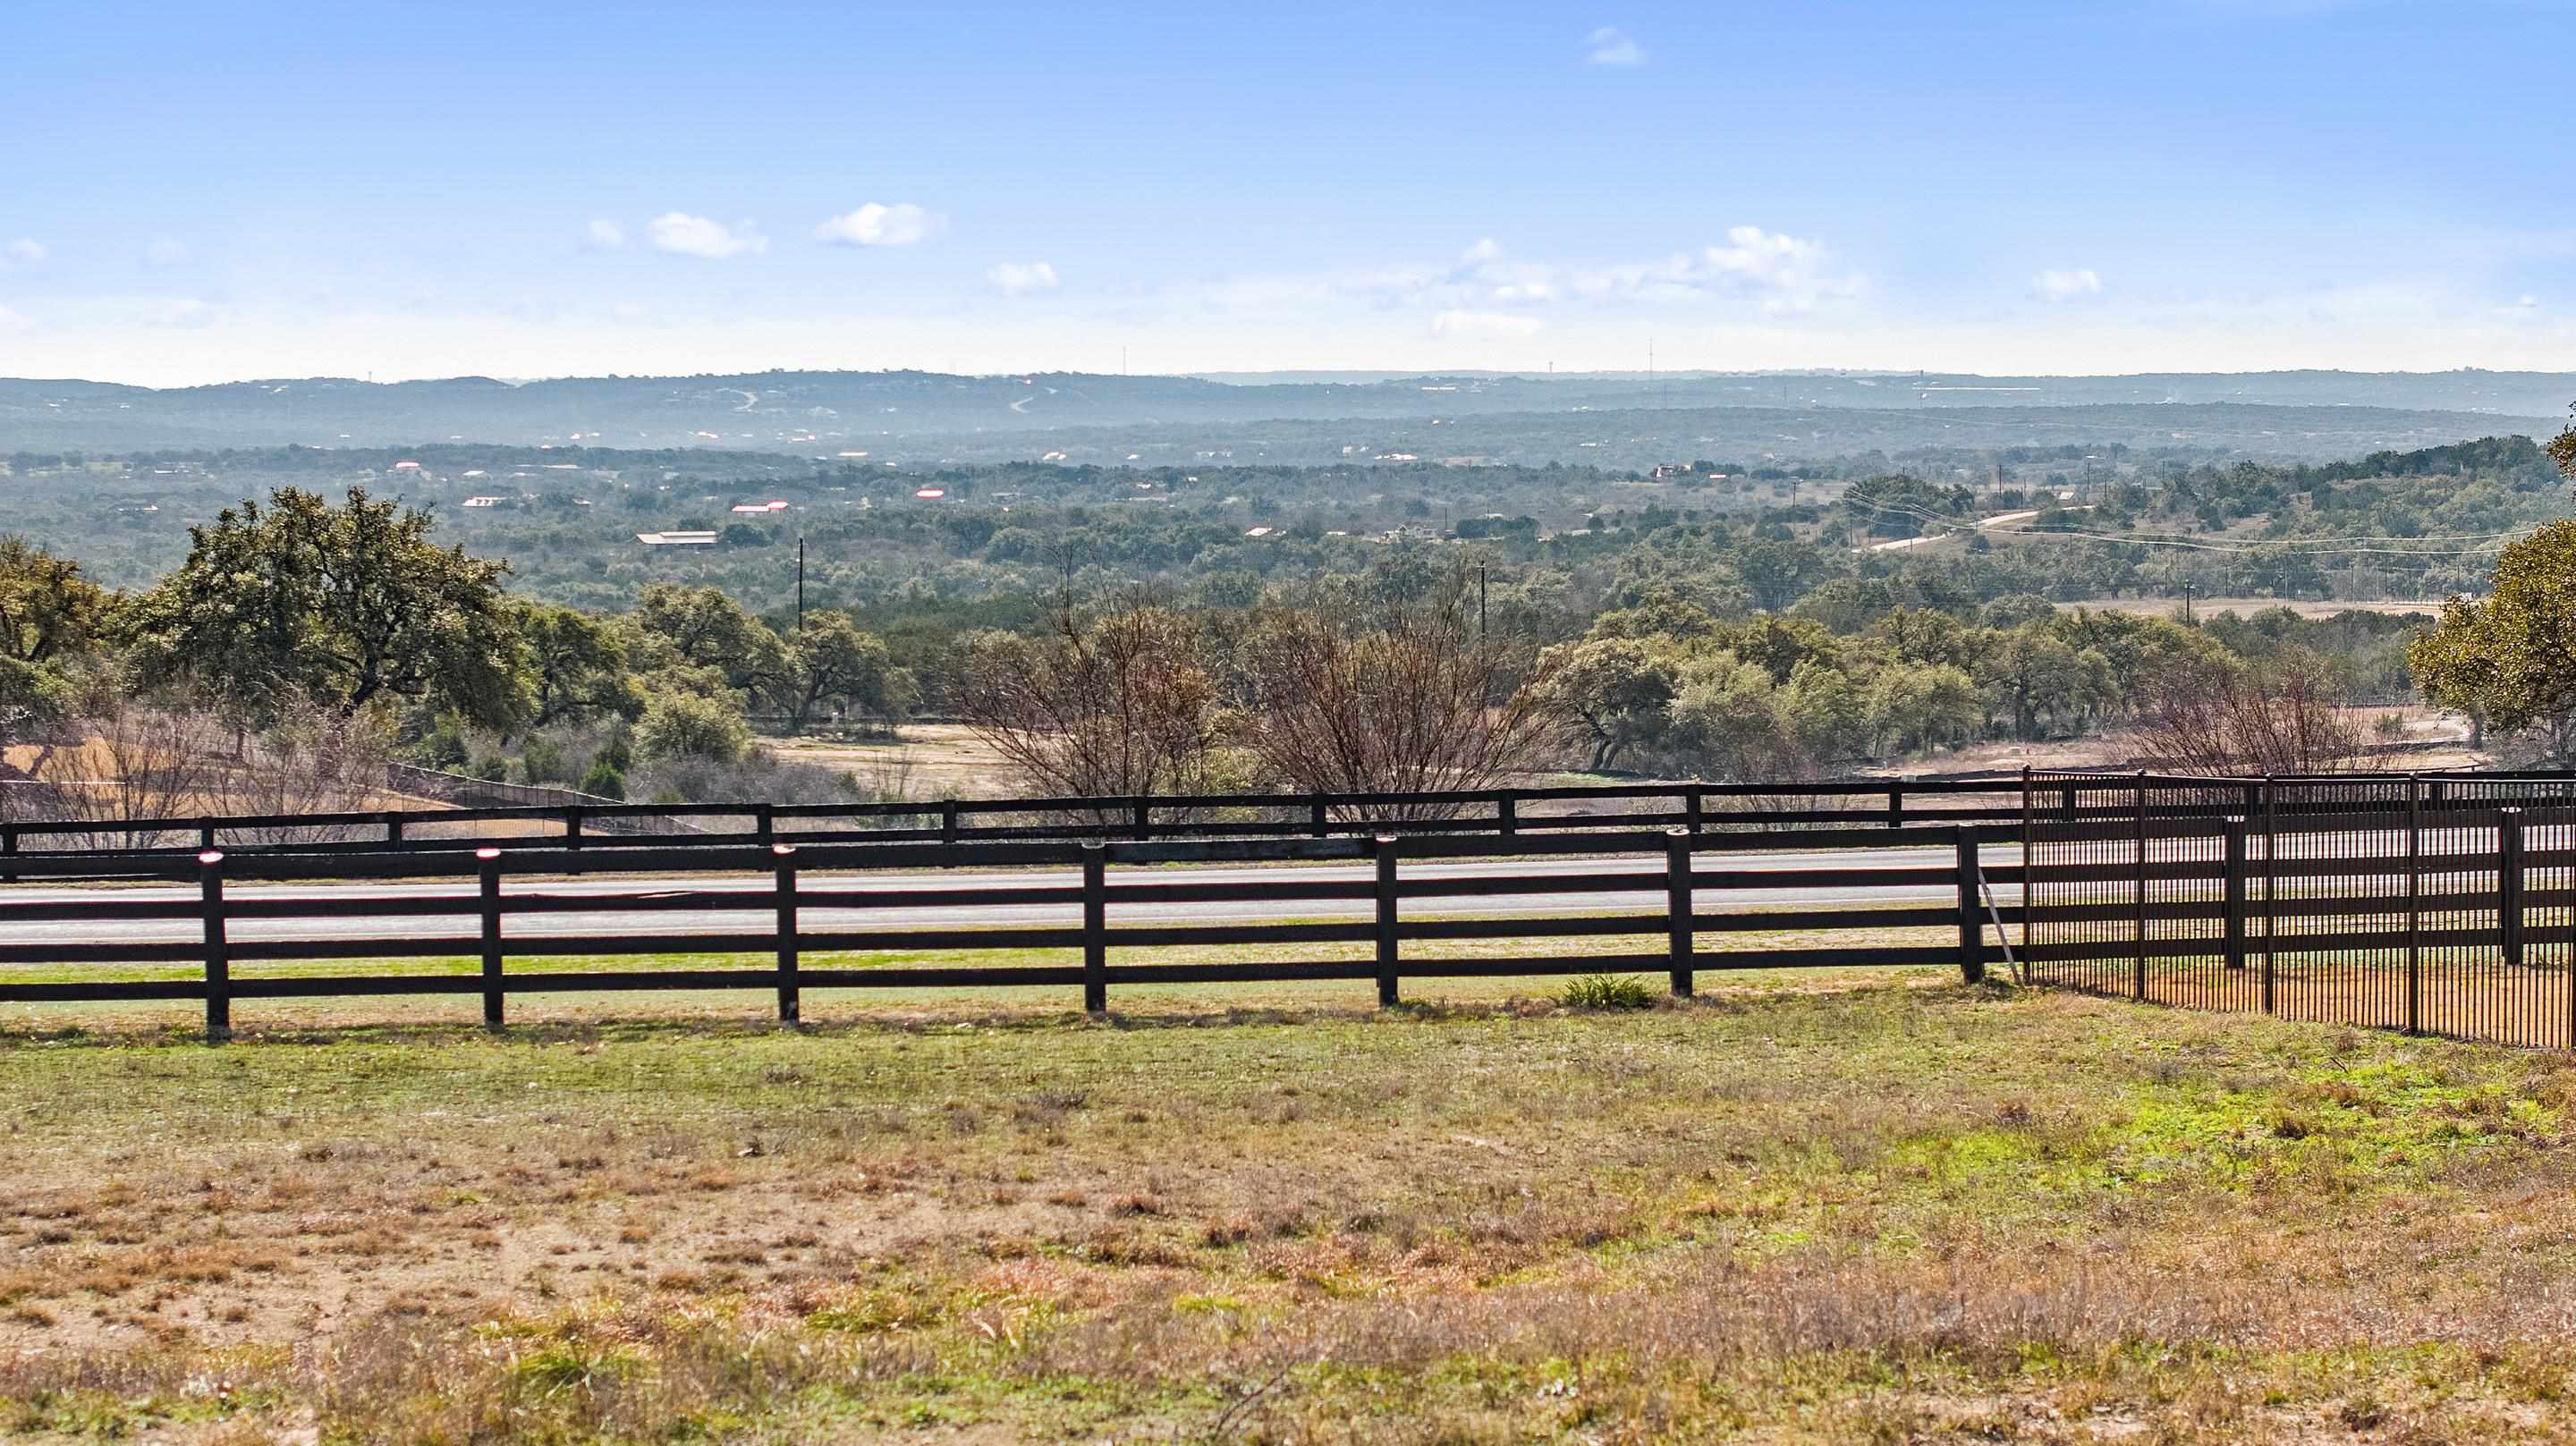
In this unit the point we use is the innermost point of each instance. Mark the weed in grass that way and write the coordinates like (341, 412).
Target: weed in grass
(1607, 992)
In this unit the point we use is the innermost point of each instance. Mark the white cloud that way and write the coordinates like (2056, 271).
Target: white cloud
(1611, 46)
(1482, 274)
(1017, 279)
(685, 235)
(2527, 302)
(13, 321)
(1461, 324)
(1780, 272)
(2066, 285)
(603, 234)
(25, 251)
(165, 251)
(875, 224)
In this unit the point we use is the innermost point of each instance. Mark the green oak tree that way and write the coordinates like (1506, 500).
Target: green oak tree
(350, 606)
(2511, 658)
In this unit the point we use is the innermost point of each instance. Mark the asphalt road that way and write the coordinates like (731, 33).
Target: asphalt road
(1582, 894)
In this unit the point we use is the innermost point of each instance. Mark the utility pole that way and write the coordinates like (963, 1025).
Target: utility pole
(2187, 590)
(800, 583)
(1480, 602)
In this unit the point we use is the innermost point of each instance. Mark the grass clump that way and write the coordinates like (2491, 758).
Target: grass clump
(1607, 991)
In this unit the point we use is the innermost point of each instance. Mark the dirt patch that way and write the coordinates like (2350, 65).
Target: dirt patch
(923, 761)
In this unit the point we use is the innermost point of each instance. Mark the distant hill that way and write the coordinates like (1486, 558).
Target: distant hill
(830, 412)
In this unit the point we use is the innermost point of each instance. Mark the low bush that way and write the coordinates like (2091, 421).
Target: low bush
(1607, 991)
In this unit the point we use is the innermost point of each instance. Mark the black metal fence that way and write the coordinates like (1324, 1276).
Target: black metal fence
(2431, 904)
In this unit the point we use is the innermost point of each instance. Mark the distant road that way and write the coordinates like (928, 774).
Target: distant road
(1581, 896)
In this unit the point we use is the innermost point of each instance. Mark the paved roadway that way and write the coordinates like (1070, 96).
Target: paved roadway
(1581, 895)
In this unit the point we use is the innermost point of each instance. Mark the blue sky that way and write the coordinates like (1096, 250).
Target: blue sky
(208, 191)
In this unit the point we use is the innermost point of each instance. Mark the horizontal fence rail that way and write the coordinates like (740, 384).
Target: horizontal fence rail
(1399, 908)
(1500, 813)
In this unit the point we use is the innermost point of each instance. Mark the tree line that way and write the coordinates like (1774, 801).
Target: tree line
(1711, 650)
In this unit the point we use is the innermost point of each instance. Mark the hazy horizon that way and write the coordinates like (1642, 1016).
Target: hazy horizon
(1340, 375)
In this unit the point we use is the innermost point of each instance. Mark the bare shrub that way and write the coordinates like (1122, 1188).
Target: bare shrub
(314, 760)
(758, 778)
(2213, 717)
(137, 762)
(888, 777)
(1405, 700)
(1114, 704)
(128, 761)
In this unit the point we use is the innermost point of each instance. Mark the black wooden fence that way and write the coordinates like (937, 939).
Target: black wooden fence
(2442, 905)
(224, 923)
(1506, 813)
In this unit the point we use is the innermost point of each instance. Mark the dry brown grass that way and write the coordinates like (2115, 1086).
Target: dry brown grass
(1888, 1214)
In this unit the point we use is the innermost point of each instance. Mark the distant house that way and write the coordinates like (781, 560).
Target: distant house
(1257, 532)
(676, 539)
(485, 501)
(759, 509)
(406, 466)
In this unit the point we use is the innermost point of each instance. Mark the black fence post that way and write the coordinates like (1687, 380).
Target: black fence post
(2235, 898)
(1384, 848)
(948, 821)
(1144, 818)
(2271, 881)
(1693, 808)
(219, 963)
(393, 830)
(2138, 915)
(206, 834)
(2029, 827)
(1318, 817)
(487, 890)
(764, 823)
(1896, 805)
(791, 1004)
(2414, 903)
(1678, 897)
(1507, 811)
(2509, 884)
(1972, 917)
(572, 828)
(1095, 928)
(8, 850)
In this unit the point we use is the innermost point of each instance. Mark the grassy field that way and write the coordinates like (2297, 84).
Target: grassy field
(1864, 1207)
